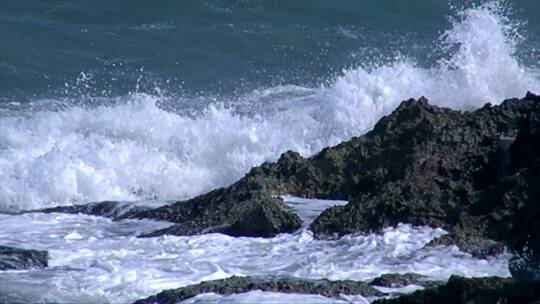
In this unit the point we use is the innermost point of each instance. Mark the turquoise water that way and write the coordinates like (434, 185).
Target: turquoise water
(223, 48)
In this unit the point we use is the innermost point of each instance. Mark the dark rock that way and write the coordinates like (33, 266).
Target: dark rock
(473, 291)
(513, 204)
(234, 285)
(532, 96)
(115, 210)
(477, 245)
(108, 209)
(425, 165)
(232, 211)
(397, 280)
(467, 172)
(16, 258)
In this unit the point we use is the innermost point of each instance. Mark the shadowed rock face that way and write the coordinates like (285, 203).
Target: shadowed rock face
(516, 204)
(236, 211)
(16, 258)
(111, 209)
(470, 173)
(421, 164)
(474, 291)
(396, 280)
(426, 165)
(234, 285)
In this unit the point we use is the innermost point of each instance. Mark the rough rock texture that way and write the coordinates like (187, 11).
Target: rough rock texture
(516, 204)
(421, 164)
(236, 211)
(426, 165)
(474, 174)
(396, 280)
(111, 209)
(488, 290)
(474, 243)
(233, 285)
(470, 173)
(16, 258)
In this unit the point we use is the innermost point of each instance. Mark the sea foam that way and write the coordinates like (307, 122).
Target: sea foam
(94, 259)
(132, 148)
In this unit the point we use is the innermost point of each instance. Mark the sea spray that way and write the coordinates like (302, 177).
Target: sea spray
(132, 148)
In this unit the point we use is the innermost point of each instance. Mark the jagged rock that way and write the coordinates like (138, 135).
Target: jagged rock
(111, 209)
(477, 245)
(516, 205)
(425, 165)
(16, 258)
(232, 211)
(397, 280)
(532, 96)
(473, 291)
(466, 172)
(235, 284)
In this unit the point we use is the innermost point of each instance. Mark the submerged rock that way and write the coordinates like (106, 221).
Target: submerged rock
(473, 291)
(16, 258)
(332, 289)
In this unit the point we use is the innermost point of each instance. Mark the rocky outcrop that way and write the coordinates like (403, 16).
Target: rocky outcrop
(421, 164)
(515, 206)
(470, 173)
(427, 166)
(332, 289)
(235, 211)
(397, 280)
(16, 258)
(111, 209)
(473, 291)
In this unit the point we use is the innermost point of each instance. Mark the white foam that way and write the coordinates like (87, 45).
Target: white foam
(95, 260)
(130, 148)
(309, 209)
(271, 298)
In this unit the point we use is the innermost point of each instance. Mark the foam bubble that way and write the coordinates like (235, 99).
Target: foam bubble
(94, 259)
(131, 148)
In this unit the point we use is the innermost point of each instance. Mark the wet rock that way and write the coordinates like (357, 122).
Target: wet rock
(107, 209)
(426, 166)
(467, 172)
(16, 258)
(397, 280)
(115, 210)
(513, 204)
(231, 211)
(473, 291)
(532, 96)
(477, 245)
(234, 285)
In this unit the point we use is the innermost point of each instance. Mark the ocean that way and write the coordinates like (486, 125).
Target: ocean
(151, 101)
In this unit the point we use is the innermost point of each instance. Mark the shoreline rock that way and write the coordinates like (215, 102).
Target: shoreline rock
(467, 172)
(473, 291)
(232, 285)
(397, 280)
(235, 211)
(12, 258)
(422, 165)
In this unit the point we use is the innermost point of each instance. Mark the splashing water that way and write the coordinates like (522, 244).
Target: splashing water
(93, 259)
(132, 148)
